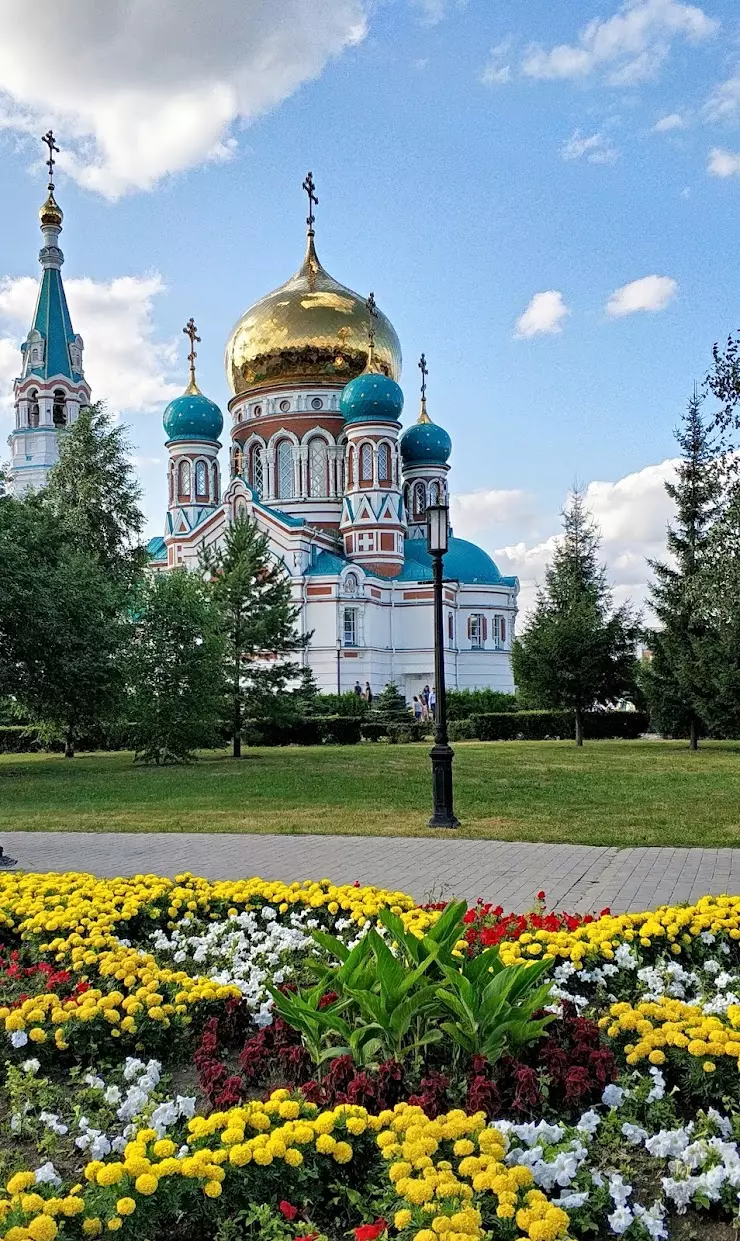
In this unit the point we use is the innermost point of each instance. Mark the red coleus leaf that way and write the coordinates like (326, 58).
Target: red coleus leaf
(288, 1210)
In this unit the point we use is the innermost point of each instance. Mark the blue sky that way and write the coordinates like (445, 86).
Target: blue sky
(463, 167)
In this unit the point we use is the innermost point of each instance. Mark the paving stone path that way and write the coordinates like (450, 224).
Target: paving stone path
(575, 877)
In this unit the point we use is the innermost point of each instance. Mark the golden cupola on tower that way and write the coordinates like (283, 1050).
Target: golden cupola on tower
(311, 329)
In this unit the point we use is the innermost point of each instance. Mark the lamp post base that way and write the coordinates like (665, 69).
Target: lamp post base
(443, 814)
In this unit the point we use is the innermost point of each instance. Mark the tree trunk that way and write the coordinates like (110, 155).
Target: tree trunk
(69, 744)
(579, 726)
(237, 734)
(694, 734)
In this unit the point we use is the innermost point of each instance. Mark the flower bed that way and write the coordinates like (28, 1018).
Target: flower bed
(150, 1084)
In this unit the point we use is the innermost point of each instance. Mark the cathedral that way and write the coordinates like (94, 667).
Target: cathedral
(318, 458)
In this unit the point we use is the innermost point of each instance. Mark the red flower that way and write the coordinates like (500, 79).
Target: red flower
(368, 1232)
(541, 895)
(309, 1236)
(287, 1210)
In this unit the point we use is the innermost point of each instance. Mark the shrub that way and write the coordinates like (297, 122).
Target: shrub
(341, 704)
(462, 703)
(543, 725)
(306, 730)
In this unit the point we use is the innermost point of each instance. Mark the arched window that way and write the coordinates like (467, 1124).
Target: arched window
(351, 467)
(257, 470)
(407, 499)
(499, 632)
(216, 496)
(285, 470)
(351, 584)
(33, 408)
(59, 409)
(172, 482)
(384, 464)
(433, 493)
(183, 480)
(420, 500)
(366, 463)
(318, 461)
(450, 628)
(201, 481)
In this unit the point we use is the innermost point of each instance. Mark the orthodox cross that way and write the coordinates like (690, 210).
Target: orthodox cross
(48, 138)
(190, 331)
(310, 188)
(372, 310)
(422, 364)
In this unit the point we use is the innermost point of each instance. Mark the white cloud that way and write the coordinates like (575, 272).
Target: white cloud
(632, 514)
(596, 148)
(125, 363)
(629, 47)
(724, 102)
(674, 120)
(546, 313)
(497, 70)
(137, 91)
(434, 11)
(476, 512)
(723, 163)
(650, 293)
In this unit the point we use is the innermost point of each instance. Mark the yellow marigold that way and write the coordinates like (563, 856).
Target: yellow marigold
(146, 1184)
(342, 1152)
(42, 1228)
(212, 1189)
(709, 1066)
(109, 1174)
(402, 1219)
(325, 1143)
(294, 1158)
(71, 1206)
(115, 1223)
(20, 1181)
(125, 1206)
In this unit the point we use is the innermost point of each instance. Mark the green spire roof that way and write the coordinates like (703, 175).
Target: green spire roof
(52, 321)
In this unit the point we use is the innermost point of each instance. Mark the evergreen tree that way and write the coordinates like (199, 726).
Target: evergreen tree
(576, 649)
(390, 705)
(673, 681)
(94, 494)
(717, 627)
(174, 664)
(252, 592)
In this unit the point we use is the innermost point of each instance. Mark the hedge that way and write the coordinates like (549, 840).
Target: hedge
(462, 703)
(541, 725)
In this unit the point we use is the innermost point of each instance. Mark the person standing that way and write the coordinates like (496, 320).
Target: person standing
(433, 702)
(416, 708)
(368, 693)
(358, 689)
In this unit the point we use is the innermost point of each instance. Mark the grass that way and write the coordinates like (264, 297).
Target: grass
(609, 793)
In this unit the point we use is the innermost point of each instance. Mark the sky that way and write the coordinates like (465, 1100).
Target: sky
(544, 198)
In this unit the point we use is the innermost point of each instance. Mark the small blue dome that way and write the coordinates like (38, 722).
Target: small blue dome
(371, 397)
(425, 444)
(192, 416)
(464, 562)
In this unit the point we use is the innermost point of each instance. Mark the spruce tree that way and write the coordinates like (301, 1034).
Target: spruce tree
(576, 650)
(390, 706)
(252, 592)
(94, 494)
(673, 680)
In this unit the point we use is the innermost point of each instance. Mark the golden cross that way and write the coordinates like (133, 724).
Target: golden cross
(309, 187)
(372, 310)
(48, 138)
(422, 364)
(190, 331)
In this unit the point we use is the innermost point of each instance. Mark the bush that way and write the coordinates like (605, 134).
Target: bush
(462, 703)
(541, 725)
(19, 739)
(350, 704)
(309, 730)
(413, 730)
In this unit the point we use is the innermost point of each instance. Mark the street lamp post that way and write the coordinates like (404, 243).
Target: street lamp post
(441, 753)
(339, 666)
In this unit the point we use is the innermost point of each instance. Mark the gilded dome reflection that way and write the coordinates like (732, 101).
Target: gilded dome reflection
(311, 328)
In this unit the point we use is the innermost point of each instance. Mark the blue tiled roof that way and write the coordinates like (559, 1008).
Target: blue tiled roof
(276, 512)
(327, 563)
(464, 563)
(156, 548)
(51, 319)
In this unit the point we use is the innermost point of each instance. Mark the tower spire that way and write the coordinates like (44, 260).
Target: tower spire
(190, 331)
(422, 364)
(51, 213)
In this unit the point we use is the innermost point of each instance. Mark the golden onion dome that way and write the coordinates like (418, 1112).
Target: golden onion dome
(51, 212)
(312, 328)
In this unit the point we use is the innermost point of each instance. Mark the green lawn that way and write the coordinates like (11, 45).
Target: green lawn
(616, 793)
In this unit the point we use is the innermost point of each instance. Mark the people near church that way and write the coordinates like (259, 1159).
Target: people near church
(358, 689)
(416, 708)
(368, 695)
(433, 703)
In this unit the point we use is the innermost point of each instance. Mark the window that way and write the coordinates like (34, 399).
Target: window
(257, 411)
(285, 470)
(433, 493)
(351, 584)
(317, 403)
(215, 483)
(384, 464)
(59, 409)
(172, 482)
(477, 629)
(257, 472)
(420, 500)
(351, 468)
(33, 408)
(183, 480)
(317, 468)
(350, 627)
(450, 628)
(284, 406)
(201, 481)
(499, 632)
(366, 463)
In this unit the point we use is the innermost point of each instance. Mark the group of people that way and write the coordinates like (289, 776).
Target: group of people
(424, 704)
(365, 693)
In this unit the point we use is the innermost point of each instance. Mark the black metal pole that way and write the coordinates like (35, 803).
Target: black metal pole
(339, 671)
(441, 753)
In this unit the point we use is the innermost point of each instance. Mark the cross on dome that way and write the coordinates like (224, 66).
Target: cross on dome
(190, 331)
(48, 138)
(310, 187)
(422, 364)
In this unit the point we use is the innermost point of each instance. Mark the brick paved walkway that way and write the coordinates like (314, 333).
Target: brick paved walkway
(574, 876)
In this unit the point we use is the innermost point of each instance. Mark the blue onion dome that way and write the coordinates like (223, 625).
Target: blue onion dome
(425, 443)
(193, 416)
(371, 397)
